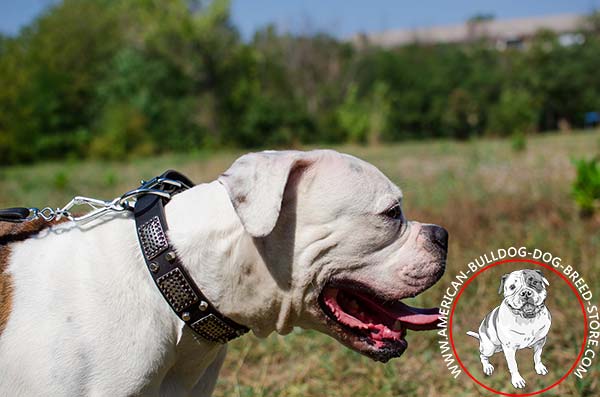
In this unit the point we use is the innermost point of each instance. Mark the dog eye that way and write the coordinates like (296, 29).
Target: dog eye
(394, 212)
(512, 286)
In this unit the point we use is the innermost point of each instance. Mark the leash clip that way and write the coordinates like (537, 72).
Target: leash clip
(159, 186)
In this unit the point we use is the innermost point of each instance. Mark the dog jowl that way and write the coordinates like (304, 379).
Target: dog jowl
(521, 321)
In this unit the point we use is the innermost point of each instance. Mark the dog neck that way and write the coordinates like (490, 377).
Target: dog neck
(225, 262)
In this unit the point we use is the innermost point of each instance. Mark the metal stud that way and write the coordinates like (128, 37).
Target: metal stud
(154, 267)
(203, 306)
(185, 316)
(152, 238)
(170, 256)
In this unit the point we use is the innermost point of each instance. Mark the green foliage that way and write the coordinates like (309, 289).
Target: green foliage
(123, 128)
(514, 113)
(48, 74)
(365, 119)
(586, 188)
(61, 180)
(461, 115)
(518, 141)
(271, 123)
(136, 77)
(111, 178)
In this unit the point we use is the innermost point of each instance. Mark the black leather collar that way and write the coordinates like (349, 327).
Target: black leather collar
(166, 269)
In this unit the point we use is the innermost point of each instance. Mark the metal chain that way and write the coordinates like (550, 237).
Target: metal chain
(158, 186)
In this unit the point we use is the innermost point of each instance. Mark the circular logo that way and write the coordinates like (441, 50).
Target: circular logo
(518, 327)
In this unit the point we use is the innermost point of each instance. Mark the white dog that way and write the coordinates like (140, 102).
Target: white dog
(282, 239)
(522, 320)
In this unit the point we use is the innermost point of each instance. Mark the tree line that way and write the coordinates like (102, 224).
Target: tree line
(97, 78)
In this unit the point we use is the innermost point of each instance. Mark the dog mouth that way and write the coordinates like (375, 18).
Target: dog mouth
(371, 325)
(529, 309)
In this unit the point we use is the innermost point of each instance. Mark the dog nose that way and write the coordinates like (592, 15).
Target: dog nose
(438, 235)
(526, 293)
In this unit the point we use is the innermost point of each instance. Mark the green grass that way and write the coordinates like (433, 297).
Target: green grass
(484, 192)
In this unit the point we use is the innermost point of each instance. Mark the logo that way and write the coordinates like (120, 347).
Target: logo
(519, 320)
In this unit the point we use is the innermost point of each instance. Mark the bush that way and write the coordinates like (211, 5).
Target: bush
(518, 141)
(586, 188)
(461, 115)
(121, 133)
(274, 123)
(365, 119)
(515, 113)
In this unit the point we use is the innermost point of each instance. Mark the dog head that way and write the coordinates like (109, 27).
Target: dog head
(524, 291)
(332, 232)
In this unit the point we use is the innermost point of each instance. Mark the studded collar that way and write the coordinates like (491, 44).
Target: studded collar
(169, 275)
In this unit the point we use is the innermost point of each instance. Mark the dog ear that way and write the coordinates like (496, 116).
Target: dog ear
(256, 184)
(544, 279)
(502, 280)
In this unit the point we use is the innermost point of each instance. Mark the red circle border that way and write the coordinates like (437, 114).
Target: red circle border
(585, 319)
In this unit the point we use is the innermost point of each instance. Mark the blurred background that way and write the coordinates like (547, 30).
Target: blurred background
(485, 113)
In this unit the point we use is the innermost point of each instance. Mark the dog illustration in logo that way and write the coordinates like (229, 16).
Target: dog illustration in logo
(522, 320)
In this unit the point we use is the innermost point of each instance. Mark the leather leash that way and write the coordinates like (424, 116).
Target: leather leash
(13, 215)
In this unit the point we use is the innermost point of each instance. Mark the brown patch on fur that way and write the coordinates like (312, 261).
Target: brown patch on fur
(10, 233)
(5, 288)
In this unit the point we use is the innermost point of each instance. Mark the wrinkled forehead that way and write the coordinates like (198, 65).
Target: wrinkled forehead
(349, 178)
(514, 278)
(526, 277)
(532, 275)
(359, 170)
(533, 279)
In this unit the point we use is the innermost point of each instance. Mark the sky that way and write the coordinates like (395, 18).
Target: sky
(342, 18)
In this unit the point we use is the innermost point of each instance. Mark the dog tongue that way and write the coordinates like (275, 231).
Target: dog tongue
(414, 318)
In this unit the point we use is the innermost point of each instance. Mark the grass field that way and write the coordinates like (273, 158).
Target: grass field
(484, 193)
